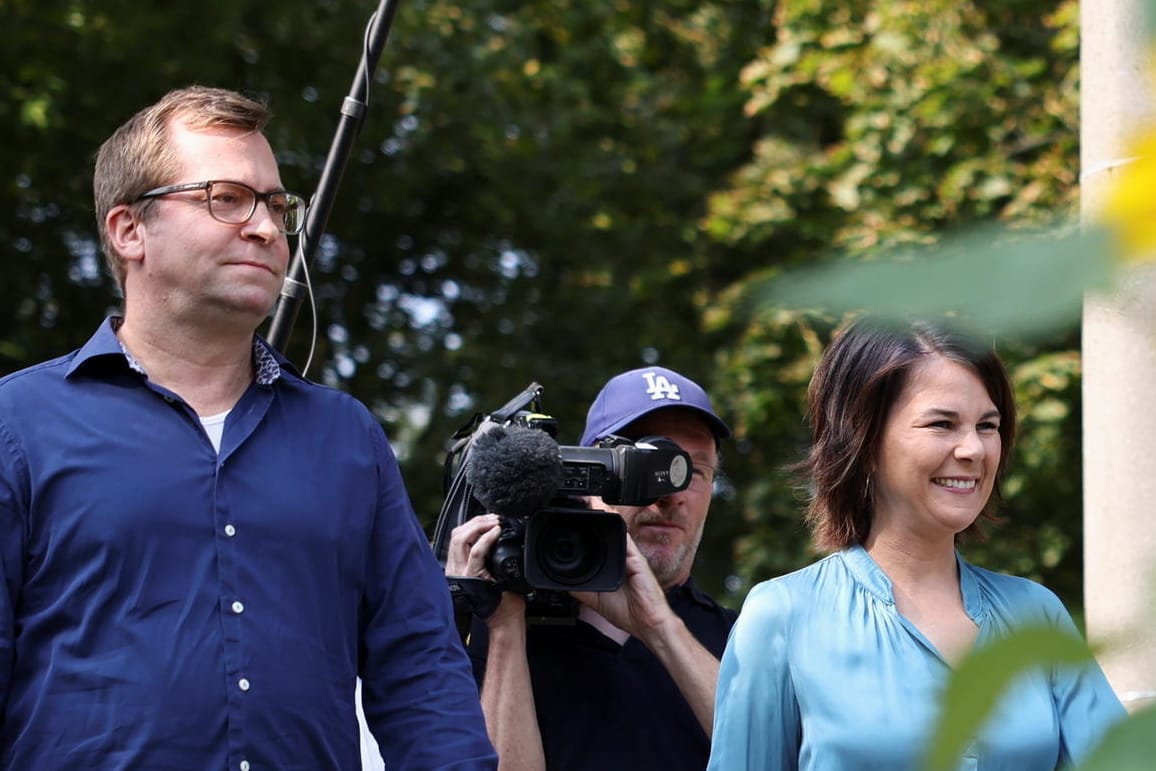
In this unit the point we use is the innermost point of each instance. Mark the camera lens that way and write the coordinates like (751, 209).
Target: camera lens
(575, 550)
(569, 555)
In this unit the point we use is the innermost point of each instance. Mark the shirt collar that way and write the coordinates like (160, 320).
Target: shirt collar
(104, 344)
(868, 573)
(872, 578)
(690, 590)
(266, 361)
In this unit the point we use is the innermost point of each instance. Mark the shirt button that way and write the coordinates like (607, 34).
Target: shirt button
(244, 765)
(238, 607)
(230, 530)
(243, 684)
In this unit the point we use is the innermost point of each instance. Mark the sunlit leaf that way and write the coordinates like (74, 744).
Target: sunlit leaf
(34, 112)
(1129, 746)
(978, 682)
(1023, 287)
(1130, 209)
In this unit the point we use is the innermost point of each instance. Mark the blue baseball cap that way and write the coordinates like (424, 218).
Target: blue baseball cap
(627, 397)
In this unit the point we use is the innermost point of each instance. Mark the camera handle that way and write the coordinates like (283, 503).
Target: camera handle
(529, 399)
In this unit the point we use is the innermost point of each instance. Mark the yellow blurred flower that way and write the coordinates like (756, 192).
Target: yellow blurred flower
(1130, 208)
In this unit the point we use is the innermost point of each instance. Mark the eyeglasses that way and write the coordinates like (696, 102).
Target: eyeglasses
(702, 475)
(234, 203)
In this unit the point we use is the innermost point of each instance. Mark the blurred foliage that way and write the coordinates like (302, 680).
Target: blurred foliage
(893, 119)
(1130, 210)
(980, 680)
(555, 190)
(1127, 747)
(978, 278)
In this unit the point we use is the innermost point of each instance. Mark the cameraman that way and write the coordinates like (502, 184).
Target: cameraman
(631, 685)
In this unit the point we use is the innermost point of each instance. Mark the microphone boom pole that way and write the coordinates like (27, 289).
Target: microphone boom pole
(353, 110)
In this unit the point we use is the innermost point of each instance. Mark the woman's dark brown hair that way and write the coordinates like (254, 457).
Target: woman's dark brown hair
(857, 383)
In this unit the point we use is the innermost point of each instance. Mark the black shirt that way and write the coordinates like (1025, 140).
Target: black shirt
(606, 707)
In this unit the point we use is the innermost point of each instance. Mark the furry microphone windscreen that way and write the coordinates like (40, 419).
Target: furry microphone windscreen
(514, 471)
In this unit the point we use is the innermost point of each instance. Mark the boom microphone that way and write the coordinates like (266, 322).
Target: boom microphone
(514, 471)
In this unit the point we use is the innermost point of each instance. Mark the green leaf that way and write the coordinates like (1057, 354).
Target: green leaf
(978, 682)
(1027, 286)
(1129, 746)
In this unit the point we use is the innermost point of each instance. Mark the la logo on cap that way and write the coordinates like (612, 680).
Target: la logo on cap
(658, 387)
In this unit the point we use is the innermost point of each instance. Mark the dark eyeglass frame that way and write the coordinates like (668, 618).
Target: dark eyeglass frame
(708, 479)
(294, 202)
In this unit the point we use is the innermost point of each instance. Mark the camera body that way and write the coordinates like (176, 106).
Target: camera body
(566, 545)
(551, 541)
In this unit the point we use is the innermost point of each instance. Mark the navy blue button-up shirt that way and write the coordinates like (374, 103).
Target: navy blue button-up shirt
(166, 606)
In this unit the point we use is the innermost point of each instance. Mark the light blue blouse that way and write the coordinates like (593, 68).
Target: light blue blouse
(822, 672)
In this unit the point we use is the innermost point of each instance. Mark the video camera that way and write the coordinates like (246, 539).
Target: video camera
(551, 542)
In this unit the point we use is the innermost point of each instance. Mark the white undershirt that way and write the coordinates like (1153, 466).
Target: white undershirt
(214, 427)
(592, 617)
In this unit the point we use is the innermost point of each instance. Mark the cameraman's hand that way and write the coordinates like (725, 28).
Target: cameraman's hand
(470, 542)
(639, 607)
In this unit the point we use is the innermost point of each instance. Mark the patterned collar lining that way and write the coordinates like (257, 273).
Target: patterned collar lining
(268, 370)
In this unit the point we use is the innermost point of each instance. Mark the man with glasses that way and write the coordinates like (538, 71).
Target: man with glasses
(630, 686)
(201, 551)
(234, 203)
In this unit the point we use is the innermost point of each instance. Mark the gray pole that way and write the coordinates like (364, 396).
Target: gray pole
(1119, 362)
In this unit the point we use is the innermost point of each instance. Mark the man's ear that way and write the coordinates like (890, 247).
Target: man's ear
(125, 232)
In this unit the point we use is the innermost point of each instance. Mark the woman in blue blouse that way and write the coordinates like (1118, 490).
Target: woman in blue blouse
(840, 665)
